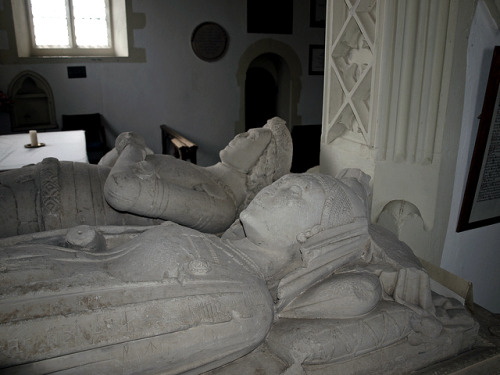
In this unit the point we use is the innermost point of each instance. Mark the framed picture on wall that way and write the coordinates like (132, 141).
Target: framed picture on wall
(318, 13)
(481, 202)
(316, 59)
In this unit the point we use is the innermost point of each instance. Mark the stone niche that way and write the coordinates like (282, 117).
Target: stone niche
(33, 103)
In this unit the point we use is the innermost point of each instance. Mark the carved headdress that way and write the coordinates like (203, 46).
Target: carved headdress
(275, 161)
(340, 238)
(343, 205)
(283, 144)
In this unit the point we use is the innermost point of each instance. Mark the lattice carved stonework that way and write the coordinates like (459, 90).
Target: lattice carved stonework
(393, 100)
(349, 74)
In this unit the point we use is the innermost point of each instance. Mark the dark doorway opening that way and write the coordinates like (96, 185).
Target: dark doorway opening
(261, 97)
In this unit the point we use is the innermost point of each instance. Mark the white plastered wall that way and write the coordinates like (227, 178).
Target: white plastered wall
(475, 254)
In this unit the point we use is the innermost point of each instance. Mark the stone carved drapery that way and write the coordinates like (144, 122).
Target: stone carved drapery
(392, 103)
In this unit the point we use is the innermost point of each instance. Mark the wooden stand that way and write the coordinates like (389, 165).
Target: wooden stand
(183, 148)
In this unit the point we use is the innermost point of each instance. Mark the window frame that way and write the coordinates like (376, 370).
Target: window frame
(25, 41)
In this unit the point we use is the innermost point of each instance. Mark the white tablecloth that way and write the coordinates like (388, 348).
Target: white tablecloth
(63, 145)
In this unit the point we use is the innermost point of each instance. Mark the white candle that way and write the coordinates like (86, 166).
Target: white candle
(33, 138)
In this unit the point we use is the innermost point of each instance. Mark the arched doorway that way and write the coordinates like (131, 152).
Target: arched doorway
(269, 78)
(261, 91)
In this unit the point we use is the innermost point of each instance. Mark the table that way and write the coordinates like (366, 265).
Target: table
(63, 145)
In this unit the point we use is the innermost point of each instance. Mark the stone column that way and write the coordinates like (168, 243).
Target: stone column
(394, 84)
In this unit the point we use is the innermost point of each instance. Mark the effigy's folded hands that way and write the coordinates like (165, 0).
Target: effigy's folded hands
(129, 139)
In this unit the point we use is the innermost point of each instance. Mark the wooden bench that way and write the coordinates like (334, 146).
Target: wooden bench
(175, 144)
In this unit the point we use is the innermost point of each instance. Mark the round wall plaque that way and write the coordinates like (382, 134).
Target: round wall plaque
(209, 41)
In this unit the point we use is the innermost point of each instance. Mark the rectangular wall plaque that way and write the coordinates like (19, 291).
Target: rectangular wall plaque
(270, 16)
(481, 203)
(316, 59)
(77, 72)
(317, 13)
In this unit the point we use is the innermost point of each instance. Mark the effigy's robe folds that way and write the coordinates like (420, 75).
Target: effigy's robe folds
(57, 194)
(115, 318)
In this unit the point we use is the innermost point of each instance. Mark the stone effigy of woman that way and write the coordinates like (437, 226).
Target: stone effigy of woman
(300, 271)
(131, 185)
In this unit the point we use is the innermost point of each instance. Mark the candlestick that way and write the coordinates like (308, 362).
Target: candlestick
(33, 138)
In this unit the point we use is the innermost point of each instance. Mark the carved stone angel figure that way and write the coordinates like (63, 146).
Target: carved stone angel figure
(133, 186)
(301, 276)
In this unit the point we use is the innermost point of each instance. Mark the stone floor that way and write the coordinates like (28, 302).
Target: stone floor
(483, 359)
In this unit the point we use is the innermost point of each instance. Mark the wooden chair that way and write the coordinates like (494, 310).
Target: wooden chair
(94, 133)
(175, 144)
